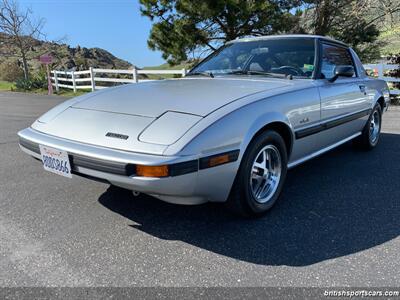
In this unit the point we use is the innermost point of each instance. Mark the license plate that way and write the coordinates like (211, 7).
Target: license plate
(55, 161)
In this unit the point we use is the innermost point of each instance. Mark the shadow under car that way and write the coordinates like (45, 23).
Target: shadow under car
(341, 203)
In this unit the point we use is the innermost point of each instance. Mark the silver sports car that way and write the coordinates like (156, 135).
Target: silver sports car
(228, 131)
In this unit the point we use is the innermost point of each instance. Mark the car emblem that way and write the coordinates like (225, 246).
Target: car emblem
(117, 135)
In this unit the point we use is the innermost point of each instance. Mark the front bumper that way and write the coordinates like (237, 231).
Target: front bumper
(190, 184)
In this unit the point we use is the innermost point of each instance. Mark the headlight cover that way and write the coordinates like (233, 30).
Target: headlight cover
(168, 128)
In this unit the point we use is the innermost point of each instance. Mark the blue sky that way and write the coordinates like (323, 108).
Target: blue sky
(114, 25)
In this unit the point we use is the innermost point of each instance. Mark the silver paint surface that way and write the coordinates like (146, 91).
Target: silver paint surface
(184, 119)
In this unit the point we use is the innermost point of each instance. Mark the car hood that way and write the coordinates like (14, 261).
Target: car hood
(145, 117)
(197, 96)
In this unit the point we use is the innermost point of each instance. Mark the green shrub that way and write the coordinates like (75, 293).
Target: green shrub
(35, 83)
(23, 84)
(40, 80)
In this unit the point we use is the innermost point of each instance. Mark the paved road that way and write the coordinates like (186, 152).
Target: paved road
(337, 224)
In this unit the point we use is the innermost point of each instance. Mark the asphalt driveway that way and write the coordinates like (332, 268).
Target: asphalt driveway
(337, 224)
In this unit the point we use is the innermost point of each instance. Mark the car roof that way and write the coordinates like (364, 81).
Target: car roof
(287, 36)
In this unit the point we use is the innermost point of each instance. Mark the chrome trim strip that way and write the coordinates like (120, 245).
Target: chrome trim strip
(322, 151)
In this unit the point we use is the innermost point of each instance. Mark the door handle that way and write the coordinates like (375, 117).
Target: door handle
(362, 88)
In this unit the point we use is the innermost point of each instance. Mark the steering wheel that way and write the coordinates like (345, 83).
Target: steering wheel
(291, 70)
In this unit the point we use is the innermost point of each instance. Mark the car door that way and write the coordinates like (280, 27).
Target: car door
(344, 101)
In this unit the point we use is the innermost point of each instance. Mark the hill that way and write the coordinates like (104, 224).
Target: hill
(65, 57)
(166, 66)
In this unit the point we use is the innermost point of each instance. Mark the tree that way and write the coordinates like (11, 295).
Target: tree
(351, 21)
(18, 29)
(184, 26)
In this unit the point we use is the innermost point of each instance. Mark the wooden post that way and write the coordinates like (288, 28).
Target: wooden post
(56, 82)
(92, 74)
(183, 72)
(73, 81)
(135, 75)
(49, 83)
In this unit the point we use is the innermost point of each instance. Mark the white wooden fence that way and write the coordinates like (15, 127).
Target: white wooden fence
(379, 71)
(89, 79)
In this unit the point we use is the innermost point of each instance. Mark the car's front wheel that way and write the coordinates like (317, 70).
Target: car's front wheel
(371, 132)
(261, 175)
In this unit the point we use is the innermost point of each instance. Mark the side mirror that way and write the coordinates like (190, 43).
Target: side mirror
(342, 71)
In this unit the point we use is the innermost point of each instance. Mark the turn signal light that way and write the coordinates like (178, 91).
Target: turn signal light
(152, 171)
(218, 160)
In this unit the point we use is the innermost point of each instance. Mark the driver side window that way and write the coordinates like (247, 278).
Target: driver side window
(333, 56)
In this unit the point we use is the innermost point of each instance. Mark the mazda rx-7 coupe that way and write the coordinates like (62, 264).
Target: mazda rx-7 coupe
(226, 132)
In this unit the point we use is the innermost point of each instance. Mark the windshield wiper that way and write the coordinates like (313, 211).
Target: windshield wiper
(208, 74)
(238, 72)
(269, 74)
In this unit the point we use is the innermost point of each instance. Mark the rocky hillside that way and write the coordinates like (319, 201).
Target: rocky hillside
(66, 57)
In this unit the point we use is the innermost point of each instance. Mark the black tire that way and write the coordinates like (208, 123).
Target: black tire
(366, 141)
(241, 199)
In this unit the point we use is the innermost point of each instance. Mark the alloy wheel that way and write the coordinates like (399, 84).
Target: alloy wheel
(266, 173)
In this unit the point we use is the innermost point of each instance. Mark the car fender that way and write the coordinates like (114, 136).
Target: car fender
(263, 121)
(229, 133)
(378, 89)
(234, 131)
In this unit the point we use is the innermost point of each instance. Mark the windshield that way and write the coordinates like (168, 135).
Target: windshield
(273, 57)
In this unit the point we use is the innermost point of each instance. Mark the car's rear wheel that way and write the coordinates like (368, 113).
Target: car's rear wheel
(371, 132)
(261, 175)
